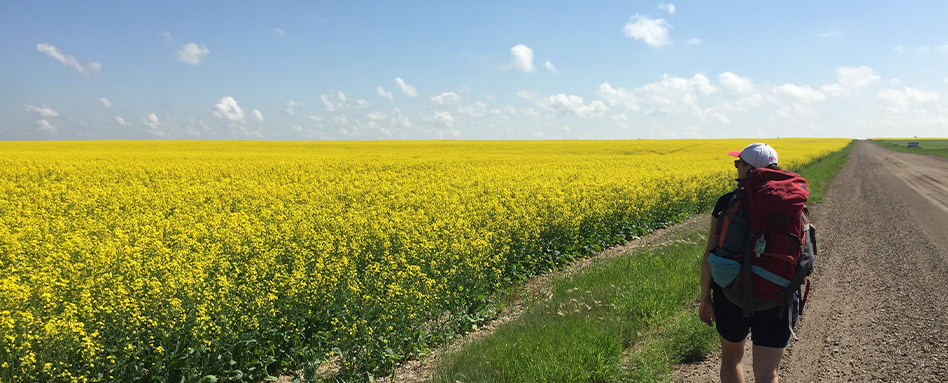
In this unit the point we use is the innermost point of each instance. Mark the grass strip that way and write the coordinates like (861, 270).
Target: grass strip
(683, 339)
(930, 147)
(820, 172)
(579, 332)
(634, 302)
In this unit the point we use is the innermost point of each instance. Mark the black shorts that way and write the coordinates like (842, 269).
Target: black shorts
(768, 328)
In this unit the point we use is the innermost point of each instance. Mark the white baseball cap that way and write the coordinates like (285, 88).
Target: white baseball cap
(758, 155)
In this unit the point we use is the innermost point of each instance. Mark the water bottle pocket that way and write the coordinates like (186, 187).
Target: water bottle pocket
(723, 269)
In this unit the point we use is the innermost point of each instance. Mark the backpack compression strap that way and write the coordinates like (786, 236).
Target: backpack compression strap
(747, 285)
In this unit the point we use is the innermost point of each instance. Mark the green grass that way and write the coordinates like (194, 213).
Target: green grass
(929, 146)
(629, 318)
(683, 339)
(820, 172)
(579, 334)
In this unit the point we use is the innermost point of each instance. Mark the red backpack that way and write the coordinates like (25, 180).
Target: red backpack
(766, 229)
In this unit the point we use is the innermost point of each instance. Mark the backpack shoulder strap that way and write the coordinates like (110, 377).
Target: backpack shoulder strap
(730, 214)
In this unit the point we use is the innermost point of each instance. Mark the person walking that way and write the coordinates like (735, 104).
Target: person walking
(770, 329)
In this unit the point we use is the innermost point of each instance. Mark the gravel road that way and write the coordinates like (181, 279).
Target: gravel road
(878, 308)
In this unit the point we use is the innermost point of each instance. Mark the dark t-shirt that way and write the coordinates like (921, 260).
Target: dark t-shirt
(721, 205)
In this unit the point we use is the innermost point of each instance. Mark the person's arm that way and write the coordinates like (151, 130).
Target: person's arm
(705, 266)
(705, 311)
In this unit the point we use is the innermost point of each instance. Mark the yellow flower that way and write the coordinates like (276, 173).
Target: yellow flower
(110, 248)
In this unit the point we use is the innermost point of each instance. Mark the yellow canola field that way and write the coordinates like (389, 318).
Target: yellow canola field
(171, 260)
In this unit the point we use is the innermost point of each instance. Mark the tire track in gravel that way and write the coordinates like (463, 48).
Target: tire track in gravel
(878, 308)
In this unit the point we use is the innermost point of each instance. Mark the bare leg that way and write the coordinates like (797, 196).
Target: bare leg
(732, 371)
(767, 364)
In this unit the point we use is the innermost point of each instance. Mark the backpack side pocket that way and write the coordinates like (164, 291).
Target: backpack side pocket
(723, 270)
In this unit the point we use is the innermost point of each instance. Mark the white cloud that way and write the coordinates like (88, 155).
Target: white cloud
(155, 127)
(670, 8)
(798, 100)
(330, 104)
(523, 57)
(446, 98)
(701, 82)
(192, 53)
(796, 109)
(44, 126)
(42, 110)
(105, 102)
(296, 128)
(693, 41)
(362, 103)
(549, 66)
(674, 87)
(400, 119)
(747, 102)
(279, 32)
(241, 131)
(619, 96)
(835, 90)
(376, 116)
(407, 88)
(900, 101)
(477, 109)
(857, 77)
(291, 107)
(371, 129)
(528, 95)
(384, 93)
(316, 118)
(443, 118)
(852, 80)
(90, 67)
(831, 34)
(735, 83)
(121, 121)
(653, 32)
(920, 50)
(199, 128)
(256, 114)
(334, 102)
(227, 109)
(450, 133)
(713, 114)
(920, 120)
(573, 104)
(804, 94)
(340, 119)
(671, 95)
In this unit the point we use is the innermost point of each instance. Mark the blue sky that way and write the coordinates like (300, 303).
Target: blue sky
(278, 70)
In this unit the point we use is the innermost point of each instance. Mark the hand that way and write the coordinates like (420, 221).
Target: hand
(706, 312)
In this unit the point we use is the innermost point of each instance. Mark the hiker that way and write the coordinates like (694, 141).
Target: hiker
(770, 328)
